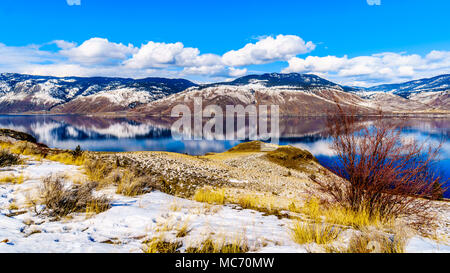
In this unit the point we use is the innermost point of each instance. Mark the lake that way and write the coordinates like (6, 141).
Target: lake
(154, 134)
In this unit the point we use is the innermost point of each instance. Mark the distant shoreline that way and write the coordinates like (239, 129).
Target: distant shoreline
(126, 114)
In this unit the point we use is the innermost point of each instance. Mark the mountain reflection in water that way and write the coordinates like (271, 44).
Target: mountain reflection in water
(154, 134)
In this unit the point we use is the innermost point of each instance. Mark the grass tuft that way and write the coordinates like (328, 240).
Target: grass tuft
(132, 185)
(375, 242)
(212, 246)
(355, 219)
(210, 196)
(12, 179)
(339, 215)
(183, 230)
(67, 158)
(8, 159)
(158, 245)
(304, 233)
(97, 170)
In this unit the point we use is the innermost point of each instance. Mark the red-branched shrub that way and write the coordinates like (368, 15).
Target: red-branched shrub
(387, 174)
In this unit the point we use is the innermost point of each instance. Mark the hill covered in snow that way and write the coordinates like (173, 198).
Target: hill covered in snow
(25, 93)
(296, 94)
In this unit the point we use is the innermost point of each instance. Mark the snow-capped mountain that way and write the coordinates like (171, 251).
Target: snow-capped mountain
(433, 92)
(406, 90)
(25, 93)
(296, 94)
(305, 94)
(293, 80)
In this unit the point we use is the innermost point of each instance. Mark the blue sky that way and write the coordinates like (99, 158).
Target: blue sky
(350, 42)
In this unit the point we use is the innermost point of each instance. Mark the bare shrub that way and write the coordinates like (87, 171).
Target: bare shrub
(60, 199)
(8, 159)
(386, 175)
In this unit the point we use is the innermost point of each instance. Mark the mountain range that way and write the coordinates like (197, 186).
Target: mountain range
(296, 94)
(27, 93)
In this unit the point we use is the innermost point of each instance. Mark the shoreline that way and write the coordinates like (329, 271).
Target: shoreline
(115, 114)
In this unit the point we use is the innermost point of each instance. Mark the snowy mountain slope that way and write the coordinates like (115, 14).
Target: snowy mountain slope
(299, 94)
(436, 84)
(296, 94)
(293, 80)
(23, 93)
(391, 102)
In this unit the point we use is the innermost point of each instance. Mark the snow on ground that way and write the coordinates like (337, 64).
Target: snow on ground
(419, 244)
(130, 221)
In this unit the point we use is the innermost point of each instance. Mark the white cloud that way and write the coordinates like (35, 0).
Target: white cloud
(101, 57)
(216, 70)
(15, 58)
(96, 51)
(268, 49)
(98, 56)
(160, 55)
(64, 44)
(234, 72)
(377, 68)
(74, 2)
(374, 2)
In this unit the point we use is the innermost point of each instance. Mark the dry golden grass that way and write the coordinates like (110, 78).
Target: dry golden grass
(338, 215)
(305, 233)
(23, 148)
(312, 209)
(158, 245)
(12, 179)
(13, 206)
(374, 242)
(347, 217)
(67, 158)
(96, 206)
(262, 202)
(8, 159)
(183, 229)
(210, 245)
(96, 170)
(210, 196)
(132, 185)
(38, 153)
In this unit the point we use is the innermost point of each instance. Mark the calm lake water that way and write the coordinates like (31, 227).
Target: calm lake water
(154, 134)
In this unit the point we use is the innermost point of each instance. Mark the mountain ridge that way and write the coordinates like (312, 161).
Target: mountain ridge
(22, 93)
(84, 95)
